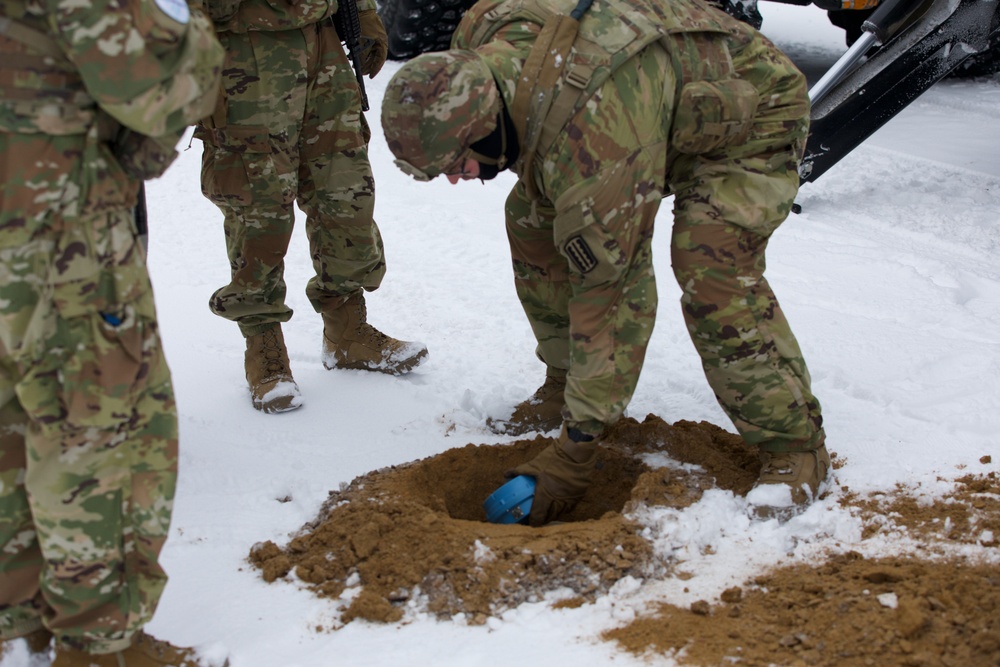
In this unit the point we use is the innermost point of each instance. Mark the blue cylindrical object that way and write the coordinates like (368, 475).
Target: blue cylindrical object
(511, 503)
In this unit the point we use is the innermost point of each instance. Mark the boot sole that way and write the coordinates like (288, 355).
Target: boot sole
(274, 409)
(401, 368)
(510, 428)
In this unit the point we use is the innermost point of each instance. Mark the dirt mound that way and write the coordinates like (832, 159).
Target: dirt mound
(935, 611)
(410, 533)
(849, 612)
(410, 537)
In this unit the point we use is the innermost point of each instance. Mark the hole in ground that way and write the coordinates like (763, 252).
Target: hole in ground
(415, 536)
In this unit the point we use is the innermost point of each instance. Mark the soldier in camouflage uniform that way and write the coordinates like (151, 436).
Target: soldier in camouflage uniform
(93, 97)
(601, 112)
(289, 129)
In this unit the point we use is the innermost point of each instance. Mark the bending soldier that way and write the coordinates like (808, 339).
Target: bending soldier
(289, 130)
(88, 424)
(602, 111)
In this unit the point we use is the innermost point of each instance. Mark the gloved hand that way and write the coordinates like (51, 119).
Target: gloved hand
(563, 472)
(374, 43)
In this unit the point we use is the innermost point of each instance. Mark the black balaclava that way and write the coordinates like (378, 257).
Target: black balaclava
(498, 149)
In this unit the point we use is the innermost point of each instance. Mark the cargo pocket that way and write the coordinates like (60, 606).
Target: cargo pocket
(89, 366)
(712, 115)
(240, 167)
(104, 376)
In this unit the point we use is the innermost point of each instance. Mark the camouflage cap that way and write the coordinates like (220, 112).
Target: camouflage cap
(435, 107)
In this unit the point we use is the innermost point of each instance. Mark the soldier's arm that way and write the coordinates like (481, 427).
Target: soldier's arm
(153, 65)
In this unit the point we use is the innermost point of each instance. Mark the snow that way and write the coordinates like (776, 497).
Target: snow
(888, 276)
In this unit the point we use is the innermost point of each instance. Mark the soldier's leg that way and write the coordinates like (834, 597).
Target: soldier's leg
(22, 606)
(541, 277)
(337, 189)
(596, 318)
(101, 440)
(541, 280)
(21, 563)
(249, 170)
(337, 194)
(724, 216)
(727, 206)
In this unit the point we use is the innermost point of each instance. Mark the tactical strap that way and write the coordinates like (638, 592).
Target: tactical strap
(551, 85)
(36, 40)
(542, 71)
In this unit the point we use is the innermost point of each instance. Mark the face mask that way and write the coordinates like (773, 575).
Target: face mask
(497, 149)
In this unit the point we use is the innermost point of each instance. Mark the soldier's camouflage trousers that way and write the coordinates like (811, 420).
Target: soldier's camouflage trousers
(725, 210)
(88, 426)
(727, 205)
(289, 129)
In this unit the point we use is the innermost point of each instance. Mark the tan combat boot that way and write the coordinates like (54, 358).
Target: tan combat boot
(541, 412)
(798, 477)
(350, 342)
(269, 376)
(145, 651)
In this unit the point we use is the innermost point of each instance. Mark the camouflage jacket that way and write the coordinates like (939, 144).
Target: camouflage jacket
(154, 70)
(271, 15)
(695, 44)
(77, 77)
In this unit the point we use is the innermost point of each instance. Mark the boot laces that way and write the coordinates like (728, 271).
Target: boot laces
(378, 338)
(782, 463)
(274, 360)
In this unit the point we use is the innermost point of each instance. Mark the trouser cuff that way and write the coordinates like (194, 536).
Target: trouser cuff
(256, 329)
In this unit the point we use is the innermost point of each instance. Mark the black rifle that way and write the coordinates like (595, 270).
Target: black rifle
(347, 22)
(141, 219)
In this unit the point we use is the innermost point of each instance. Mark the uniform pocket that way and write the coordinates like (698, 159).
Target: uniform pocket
(712, 115)
(102, 378)
(88, 365)
(241, 166)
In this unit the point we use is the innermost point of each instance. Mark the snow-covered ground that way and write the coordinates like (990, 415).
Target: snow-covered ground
(888, 276)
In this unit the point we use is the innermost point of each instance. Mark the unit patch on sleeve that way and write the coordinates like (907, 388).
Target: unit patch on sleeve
(580, 254)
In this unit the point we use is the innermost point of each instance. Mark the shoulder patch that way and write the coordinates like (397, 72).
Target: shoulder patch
(580, 254)
(176, 9)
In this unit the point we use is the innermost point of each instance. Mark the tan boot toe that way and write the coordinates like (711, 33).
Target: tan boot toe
(542, 411)
(789, 482)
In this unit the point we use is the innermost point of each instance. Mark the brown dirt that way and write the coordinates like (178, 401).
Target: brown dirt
(409, 536)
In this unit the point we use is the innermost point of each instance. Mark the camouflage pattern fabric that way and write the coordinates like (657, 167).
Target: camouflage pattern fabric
(282, 137)
(465, 76)
(88, 426)
(725, 210)
(274, 15)
(580, 227)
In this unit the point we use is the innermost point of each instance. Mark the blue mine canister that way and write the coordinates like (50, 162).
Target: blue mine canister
(511, 502)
